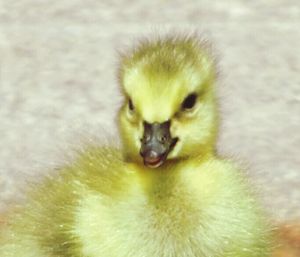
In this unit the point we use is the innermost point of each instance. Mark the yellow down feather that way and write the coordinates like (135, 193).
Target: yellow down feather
(107, 203)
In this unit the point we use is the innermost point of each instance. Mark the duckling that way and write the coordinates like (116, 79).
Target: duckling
(165, 192)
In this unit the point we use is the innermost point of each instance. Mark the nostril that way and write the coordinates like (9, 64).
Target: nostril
(145, 139)
(162, 139)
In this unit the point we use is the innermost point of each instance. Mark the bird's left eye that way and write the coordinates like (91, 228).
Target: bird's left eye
(189, 102)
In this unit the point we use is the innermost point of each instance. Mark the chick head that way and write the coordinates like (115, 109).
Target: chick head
(169, 112)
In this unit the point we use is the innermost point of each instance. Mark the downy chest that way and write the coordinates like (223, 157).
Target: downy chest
(162, 222)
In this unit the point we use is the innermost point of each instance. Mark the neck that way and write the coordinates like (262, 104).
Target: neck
(169, 173)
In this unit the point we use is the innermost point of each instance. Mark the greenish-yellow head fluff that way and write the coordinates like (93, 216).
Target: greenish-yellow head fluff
(169, 81)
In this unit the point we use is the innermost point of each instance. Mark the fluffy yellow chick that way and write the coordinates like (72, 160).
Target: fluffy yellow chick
(166, 193)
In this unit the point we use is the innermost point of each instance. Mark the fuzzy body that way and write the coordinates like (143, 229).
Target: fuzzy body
(101, 207)
(108, 204)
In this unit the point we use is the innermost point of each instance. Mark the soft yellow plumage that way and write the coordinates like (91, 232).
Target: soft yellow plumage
(165, 193)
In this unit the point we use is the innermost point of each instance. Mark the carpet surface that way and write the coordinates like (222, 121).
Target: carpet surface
(58, 83)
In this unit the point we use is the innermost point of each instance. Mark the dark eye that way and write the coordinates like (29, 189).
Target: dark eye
(189, 102)
(130, 105)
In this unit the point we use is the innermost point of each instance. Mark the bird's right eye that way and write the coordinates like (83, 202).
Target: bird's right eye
(130, 105)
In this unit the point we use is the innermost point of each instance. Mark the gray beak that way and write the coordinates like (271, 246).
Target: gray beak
(156, 143)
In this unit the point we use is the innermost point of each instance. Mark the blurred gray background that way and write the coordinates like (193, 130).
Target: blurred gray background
(58, 85)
